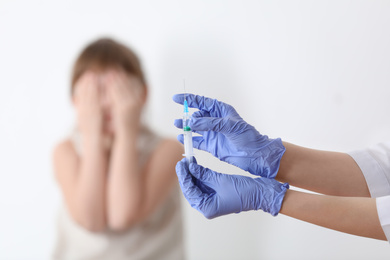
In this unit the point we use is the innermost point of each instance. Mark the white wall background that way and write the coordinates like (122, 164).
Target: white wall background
(315, 73)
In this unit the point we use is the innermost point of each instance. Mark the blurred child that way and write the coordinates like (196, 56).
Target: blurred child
(117, 177)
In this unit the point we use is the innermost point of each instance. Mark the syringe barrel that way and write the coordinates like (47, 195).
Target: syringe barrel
(186, 121)
(188, 148)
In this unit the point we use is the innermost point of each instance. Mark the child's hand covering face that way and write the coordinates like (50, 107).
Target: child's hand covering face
(87, 103)
(108, 102)
(126, 95)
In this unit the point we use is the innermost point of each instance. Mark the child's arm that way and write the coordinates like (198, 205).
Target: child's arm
(133, 192)
(329, 173)
(83, 178)
(82, 181)
(160, 176)
(356, 216)
(124, 187)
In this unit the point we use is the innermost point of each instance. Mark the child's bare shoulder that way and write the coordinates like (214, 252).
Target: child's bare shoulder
(63, 149)
(170, 147)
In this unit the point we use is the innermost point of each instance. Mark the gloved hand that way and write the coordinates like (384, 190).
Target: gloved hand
(215, 194)
(228, 137)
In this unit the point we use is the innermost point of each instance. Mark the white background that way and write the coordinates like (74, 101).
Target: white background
(315, 73)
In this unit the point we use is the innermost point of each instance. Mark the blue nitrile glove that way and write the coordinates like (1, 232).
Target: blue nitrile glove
(228, 137)
(215, 194)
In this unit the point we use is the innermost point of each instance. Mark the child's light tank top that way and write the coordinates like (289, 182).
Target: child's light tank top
(160, 236)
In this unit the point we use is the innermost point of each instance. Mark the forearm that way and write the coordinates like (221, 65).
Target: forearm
(91, 185)
(356, 216)
(329, 173)
(125, 183)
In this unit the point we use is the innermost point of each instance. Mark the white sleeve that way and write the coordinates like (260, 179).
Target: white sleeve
(375, 165)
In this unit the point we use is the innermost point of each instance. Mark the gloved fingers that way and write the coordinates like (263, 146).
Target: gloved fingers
(204, 188)
(191, 192)
(215, 107)
(207, 176)
(179, 124)
(194, 101)
(180, 138)
(197, 142)
(201, 113)
(220, 125)
(194, 160)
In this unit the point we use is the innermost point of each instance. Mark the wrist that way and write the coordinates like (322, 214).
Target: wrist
(128, 129)
(90, 144)
(126, 136)
(270, 195)
(91, 138)
(269, 159)
(93, 132)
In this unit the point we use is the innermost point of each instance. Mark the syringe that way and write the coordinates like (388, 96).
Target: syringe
(188, 148)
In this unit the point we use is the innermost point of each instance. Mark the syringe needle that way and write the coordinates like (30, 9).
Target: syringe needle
(185, 92)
